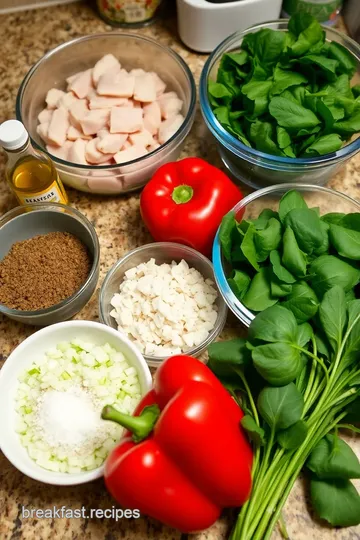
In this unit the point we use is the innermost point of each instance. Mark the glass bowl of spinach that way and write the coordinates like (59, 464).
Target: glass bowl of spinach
(282, 100)
(287, 244)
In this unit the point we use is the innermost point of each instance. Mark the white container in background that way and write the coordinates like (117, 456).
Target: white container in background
(203, 24)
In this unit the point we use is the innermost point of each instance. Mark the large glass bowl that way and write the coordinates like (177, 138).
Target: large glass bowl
(258, 169)
(327, 200)
(162, 252)
(79, 54)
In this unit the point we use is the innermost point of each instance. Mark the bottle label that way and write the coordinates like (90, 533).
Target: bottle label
(50, 194)
(325, 11)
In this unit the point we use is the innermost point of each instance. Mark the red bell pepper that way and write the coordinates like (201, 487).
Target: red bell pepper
(187, 457)
(185, 202)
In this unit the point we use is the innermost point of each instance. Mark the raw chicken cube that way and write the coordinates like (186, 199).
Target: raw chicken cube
(170, 105)
(141, 138)
(154, 146)
(59, 126)
(74, 133)
(104, 102)
(108, 183)
(82, 84)
(94, 121)
(72, 78)
(135, 104)
(107, 63)
(169, 127)
(129, 154)
(78, 111)
(116, 84)
(110, 143)
(53, 96)
(159, 84)
(145, 88)
(93, 155)
(67, 100)
(137, 71)
(152, 117)
(45, 116)
(43, 130)
(126, 120)
(77, 152)
(60, 152)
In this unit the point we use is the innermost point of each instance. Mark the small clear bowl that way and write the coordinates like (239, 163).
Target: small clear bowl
(327, 200)
(24, 222)
(258, 169)
(133, 51)
(162, 252)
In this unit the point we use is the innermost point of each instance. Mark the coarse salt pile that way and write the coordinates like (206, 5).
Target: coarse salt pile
(165, 309)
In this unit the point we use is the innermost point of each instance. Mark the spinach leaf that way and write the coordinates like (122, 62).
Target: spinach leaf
(255, 432)
(304, 334)
(239, 283)
(336, 501)
(327, 66)
(248, 247)
(328, 271)
(284, 79)
(278, 363)
(345, 241)
(267, 239)
(293, 258)
(307, 228)
(273, 325)
(302, 301)
(280, 407)
(228, 225)
(218, 90)
(333, 316)
(282, 137)
(258, 296)
(333, 459)
(268, 45)
(350, 126)
(291, 200)
(280, 271)
(326, 144)
(308, 32)
(290, 115)
(356, 90)
(262, 135)
(226, 356)
(293, 436)
(346, 61)
(258, 92)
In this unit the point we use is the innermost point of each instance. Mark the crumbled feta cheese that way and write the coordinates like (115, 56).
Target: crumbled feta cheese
(165, 309)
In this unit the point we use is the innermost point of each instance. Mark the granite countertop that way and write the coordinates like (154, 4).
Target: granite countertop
(26, 37)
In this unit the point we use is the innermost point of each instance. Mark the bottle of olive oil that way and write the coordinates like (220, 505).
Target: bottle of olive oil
(30, 173)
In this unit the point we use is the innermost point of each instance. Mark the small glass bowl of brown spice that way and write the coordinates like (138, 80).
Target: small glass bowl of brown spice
(49, 263)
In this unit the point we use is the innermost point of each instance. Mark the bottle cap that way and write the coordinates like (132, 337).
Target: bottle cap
(13, 135)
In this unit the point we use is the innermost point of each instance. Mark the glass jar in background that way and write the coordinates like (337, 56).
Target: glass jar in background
(128, 13)
(325, 11)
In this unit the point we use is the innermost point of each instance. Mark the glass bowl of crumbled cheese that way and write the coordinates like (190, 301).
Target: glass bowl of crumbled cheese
(53, 388)
(163, 297)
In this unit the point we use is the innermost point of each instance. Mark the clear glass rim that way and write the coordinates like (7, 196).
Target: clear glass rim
(236, 146)
(222, 313)
(115, 34)
(6, 218)
(235, 305)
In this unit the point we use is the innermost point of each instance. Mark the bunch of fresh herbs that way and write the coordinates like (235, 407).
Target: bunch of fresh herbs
(288, 93)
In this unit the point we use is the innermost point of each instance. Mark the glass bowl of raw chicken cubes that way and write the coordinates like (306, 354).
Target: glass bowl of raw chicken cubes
(109, 109)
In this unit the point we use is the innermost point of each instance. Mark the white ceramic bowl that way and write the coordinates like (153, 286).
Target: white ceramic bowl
(22, 357)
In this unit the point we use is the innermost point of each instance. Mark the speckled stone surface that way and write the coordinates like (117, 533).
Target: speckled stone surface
(25, 38)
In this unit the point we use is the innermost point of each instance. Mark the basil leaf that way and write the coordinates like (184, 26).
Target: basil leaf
(228, 225)
(291, 200)
(258, 296)
(255, 432)
(267, 239)
(337, 502)
(278, 363)
(239, 283)
(332, 217)
(322, 344)
(329, 271)
(302, 301)
(264, 217)
(345, 241)
(273, 325)
(350, 221)
(304, 334)
(225, 356)
(281, 407)
(333, 316)
(294, 436)
(293, 258)
(324, 248)
(352, 350)
(280, 271)
(248, 247)
(354, 412)
(291, 115)
(307, 228)
(333, 459)
(278, 288)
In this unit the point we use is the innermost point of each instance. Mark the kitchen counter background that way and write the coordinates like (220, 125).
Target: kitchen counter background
(26, 37)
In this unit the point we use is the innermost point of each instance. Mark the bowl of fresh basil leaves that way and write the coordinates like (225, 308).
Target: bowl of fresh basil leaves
(282, 100)
(287, 244)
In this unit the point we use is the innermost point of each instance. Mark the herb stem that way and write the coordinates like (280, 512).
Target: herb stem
(316, 358)
(250, 396)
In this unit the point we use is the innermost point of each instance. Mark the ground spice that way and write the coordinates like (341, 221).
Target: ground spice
(42, 271)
